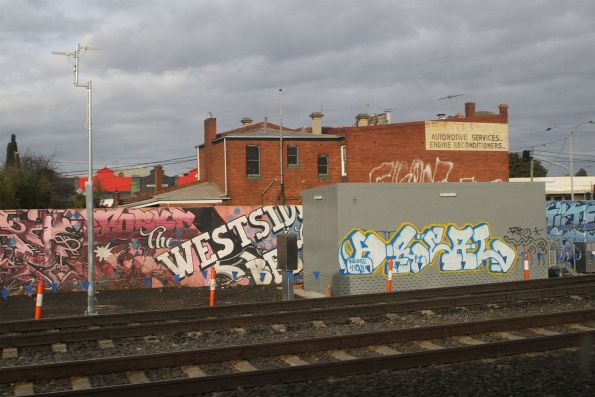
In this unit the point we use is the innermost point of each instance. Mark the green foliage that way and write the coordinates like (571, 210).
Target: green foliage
(32, 183)
(77, 201)
(581, 172)
(520, 168)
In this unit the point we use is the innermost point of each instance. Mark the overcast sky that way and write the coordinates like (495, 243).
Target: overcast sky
(166, 64)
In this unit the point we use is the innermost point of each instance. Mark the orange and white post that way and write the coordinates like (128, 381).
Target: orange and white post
(526, 265)
(389, 282)
(213, 277)
(39, 302)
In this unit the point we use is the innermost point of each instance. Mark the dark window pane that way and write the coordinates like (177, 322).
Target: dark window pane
(322, 165)
(292, 155)
(252, 160)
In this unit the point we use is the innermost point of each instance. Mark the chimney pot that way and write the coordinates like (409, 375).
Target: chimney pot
(470, 109)
(316, 122)
(387, 115)
(362, 119)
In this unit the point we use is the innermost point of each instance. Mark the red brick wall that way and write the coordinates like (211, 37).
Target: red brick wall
(382, 153)
(397, 153)
(248, 190)
(202, 172)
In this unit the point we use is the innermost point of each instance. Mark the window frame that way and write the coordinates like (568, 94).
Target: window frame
(297, 156)
(252, 161)
(343, 160)
(326, 165)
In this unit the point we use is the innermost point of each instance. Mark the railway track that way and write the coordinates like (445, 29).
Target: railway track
(15, 334)
(201, 344)
(252, 365)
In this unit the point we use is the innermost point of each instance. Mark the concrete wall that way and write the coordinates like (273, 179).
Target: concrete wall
(439, 235)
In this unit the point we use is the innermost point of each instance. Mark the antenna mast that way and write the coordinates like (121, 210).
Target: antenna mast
(281, 184)
(76, 54)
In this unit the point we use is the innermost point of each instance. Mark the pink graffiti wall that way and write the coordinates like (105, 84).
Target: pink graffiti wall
(144, 247)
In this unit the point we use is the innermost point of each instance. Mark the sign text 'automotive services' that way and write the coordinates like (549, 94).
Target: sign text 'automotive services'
(453, 135)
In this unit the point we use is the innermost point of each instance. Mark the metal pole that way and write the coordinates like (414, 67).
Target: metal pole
(571, 165)
(89, 185)
(281, 184)
(90, 254)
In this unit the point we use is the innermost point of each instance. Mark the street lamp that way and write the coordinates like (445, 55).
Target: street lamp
(89, 185)
(570, 133)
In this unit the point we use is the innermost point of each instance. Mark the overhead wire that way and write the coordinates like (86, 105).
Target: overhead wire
(177, 160)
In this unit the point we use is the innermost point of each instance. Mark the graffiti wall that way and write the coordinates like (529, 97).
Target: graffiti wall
(570, 221)
(417, 171)
(145, 247)
(412, 250)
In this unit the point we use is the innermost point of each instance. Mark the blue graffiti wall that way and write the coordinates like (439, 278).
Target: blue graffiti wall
(570, 221)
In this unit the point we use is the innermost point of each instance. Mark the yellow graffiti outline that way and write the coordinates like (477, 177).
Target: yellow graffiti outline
(444, 240)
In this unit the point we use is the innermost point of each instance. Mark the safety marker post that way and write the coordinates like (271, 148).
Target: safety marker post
(526, 265)
(389, 283)
(328, 291)
(39, 302)
(213, 276)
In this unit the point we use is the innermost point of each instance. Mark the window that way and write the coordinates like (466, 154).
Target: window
(322, 165)
(292, 156)
(252, 160)
(343, 160)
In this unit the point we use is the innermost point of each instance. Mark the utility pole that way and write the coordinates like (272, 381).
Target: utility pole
(281, 184)
(76, 54)
(570, 131)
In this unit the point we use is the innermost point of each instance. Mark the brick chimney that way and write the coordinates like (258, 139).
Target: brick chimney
(362, 119)
(503, 110)
(246, 121)
(210, 131)
(158, 178)
(469, 110)
(316, 123)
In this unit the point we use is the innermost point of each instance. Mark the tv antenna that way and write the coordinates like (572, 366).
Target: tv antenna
(449, 97)
(79, 51)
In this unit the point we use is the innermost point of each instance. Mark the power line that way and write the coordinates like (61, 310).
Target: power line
(180, 160)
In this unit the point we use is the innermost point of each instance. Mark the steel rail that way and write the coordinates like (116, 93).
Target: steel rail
(132, 330)
(123, 331)
(9, 327)
(311, 372)
(245, 352)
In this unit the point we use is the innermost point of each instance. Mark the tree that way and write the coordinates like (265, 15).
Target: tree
(520, 167)
(12, 152)
(32, 183)
(581, 172)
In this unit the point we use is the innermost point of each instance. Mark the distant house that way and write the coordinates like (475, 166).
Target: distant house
(188, 178)
(114, 186)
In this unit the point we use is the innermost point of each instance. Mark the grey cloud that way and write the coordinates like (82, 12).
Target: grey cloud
(166, 64)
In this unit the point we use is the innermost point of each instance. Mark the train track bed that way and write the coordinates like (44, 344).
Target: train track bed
(157, 344)
(556, 373)
(182, 341)
(301, 358)
(71, 329)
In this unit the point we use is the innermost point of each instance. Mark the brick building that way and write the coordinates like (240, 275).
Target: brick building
(245, 162)
(243, 166)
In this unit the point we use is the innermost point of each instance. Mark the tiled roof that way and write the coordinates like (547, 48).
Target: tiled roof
(194, 194)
